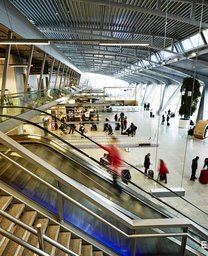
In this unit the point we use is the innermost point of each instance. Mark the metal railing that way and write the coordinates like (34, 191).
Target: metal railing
(38, 233)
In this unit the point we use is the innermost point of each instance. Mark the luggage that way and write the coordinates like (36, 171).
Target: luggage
(94, 127)
(168, 124)
(118, 126)
(203, 178)
(63, 127)
(126, 175)
(150, 174)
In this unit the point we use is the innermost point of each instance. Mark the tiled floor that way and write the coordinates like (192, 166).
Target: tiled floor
(175, 148)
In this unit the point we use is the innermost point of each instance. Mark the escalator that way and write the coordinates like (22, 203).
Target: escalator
(95, 180)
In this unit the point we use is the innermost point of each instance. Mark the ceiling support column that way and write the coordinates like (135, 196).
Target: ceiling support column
(57, 73)
(50, 75)
(41, 72)
(60, 85)
(203, 101)
(6, 67)
(28, 68)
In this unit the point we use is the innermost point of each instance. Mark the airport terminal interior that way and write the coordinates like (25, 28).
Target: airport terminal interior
(104, 127)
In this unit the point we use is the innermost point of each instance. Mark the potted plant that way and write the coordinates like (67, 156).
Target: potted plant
(190, 90)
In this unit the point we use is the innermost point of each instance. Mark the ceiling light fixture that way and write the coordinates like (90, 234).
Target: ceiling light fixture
(19, 65)
(117, 43)
(24, 42)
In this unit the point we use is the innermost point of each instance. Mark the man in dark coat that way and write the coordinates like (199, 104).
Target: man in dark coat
(146, 163)
(194, 167)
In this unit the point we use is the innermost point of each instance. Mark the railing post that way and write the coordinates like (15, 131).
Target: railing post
(133, 244)
(183, 242)
(60, 205)
(40, 237)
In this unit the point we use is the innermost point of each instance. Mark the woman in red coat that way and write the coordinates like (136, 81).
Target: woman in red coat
(163, 170)
(115, 160)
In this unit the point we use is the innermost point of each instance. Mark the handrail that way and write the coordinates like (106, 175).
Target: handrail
(177, 195)
(80, 151)
(35, 232)
(152, 223)
(22, 242)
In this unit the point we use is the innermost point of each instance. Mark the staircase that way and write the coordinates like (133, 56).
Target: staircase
(50, 228)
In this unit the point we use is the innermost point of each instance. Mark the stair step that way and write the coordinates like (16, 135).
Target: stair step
(13, 248)
(76, 245)
(5, 201)
(33, 240)
(87, 250)
(15, 210)
(52, 232)
(63, 239)
(97, 253)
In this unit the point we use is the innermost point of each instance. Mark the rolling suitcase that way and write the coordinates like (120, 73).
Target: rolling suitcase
(203, 178)
(150, 174)
(126, 175)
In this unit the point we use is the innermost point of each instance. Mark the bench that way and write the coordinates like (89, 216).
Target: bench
(163, 192)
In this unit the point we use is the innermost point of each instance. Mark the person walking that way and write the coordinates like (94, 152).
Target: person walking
(146, 162)
(163, 119)
(194, 167)
(163, 171)
(115, 161)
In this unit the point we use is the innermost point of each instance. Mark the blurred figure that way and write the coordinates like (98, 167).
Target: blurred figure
(163, 170)
(104, 160)
(115, 161)
(82, 130)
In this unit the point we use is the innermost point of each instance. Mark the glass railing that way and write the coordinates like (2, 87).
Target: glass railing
(17, 103)
(87, 149)
(134, 187)
(90, 214)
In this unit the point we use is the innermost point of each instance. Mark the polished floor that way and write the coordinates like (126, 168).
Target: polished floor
(175, 147)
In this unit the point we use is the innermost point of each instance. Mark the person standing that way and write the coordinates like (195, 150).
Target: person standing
(116, 117)
(194, 167)
(168, 119)
(163, 119)
(146, 162)
(205, 163)
(163, 171)
(115, 160)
